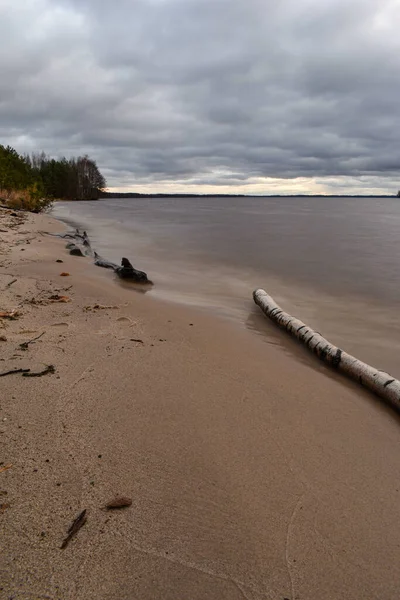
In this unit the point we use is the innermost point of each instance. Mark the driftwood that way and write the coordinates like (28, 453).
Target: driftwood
(14, 371)
(125, 271)
(76, 251)
(379, 382)
(102, 262)
(80, 246)
(24, 345)
(74, 528)
(45, 371)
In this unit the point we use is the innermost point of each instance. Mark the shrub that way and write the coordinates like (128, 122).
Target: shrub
(29, 199)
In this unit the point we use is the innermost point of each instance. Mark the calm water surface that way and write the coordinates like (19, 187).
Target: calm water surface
(333, 262)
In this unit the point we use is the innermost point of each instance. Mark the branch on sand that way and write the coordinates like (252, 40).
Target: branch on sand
(14, 371)
(24, 345)
(29, 373)
(46, 370)
(74, 528)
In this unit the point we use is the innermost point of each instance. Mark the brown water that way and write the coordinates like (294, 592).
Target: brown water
(332, 262)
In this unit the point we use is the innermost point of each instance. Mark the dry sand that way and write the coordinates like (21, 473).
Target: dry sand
(253, 474)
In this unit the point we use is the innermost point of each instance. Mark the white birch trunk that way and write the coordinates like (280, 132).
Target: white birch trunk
(381, 383)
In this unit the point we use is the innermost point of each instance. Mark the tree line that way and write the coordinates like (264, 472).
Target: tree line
(37, 179)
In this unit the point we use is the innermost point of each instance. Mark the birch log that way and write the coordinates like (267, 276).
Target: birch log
(379, 382)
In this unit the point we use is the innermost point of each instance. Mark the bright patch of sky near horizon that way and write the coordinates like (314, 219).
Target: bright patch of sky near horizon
(227, 96)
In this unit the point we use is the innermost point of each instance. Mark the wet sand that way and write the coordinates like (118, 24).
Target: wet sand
(334, 263)
(254, 473)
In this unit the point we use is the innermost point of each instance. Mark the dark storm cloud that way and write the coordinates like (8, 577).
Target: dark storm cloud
(213, 92)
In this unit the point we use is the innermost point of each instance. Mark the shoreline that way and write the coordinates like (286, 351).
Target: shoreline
(363, 325)
(252, 474)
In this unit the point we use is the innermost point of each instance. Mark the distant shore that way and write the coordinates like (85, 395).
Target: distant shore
(141, 195)
(251, 473)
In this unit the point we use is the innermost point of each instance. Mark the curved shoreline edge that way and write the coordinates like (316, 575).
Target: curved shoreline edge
(379, 382)
(375, 380)
(236, 455)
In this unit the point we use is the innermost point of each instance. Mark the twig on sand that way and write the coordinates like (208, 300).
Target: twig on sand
(5, 468)
(48, 369)
(10, 283)
(74, 528)
(23, 371)
(24, 345)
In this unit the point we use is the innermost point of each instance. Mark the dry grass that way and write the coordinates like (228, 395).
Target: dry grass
(24, 200)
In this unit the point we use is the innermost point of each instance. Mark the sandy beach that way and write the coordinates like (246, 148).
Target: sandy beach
(254, 473)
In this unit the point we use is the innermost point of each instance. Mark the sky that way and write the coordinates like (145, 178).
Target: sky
(208, 96)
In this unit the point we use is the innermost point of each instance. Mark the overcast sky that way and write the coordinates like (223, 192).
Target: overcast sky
(246, 96)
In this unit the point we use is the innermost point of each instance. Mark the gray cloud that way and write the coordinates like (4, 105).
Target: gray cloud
(207, 92)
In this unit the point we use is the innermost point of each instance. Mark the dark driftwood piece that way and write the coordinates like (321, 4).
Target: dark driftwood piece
(24, 345)
(76, 251)
(13, 371)
(102, 262)
(28, 372)
(85, 240)
(80, 246)
(46, 370)
(74, 528)
(125, 271)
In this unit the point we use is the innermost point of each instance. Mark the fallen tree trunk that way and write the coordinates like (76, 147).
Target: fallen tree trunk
(125, 270)
(80, 246)
(102, 262)
(379, 382)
